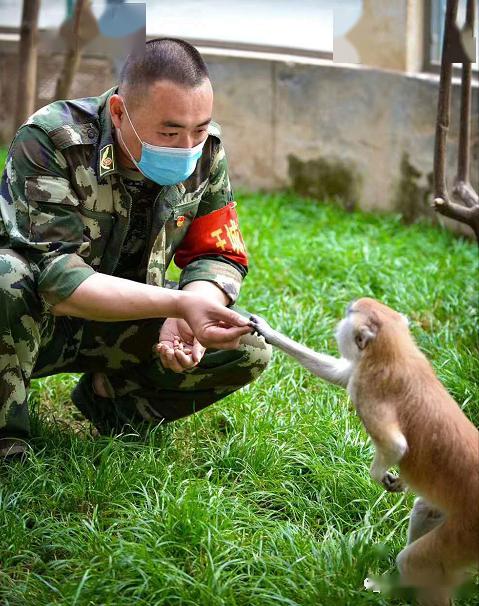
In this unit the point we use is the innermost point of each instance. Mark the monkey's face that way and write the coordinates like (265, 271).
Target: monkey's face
(345, 339)
(361, 326)
(354, 333)
(358, 329)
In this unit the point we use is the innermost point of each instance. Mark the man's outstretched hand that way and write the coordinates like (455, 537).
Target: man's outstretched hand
(213, 324)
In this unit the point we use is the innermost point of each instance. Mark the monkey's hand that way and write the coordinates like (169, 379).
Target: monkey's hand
(393, 483)
(262, 328)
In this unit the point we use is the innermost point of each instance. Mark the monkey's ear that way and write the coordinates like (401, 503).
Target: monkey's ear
(364, 335)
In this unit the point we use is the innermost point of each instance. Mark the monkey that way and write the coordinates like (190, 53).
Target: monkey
(415, 424)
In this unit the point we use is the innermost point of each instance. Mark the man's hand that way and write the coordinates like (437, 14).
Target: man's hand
(213, 324)
(178, 348)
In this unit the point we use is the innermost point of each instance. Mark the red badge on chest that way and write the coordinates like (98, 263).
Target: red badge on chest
(217, 233)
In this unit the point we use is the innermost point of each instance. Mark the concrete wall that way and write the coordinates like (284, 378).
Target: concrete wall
(328, 129)
(361, 135)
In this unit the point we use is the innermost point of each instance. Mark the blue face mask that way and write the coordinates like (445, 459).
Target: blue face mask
(165, 165)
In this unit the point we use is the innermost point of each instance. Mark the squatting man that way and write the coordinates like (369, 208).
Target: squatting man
(98, 196)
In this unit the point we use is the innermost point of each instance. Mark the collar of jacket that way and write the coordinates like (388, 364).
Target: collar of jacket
(106, 161)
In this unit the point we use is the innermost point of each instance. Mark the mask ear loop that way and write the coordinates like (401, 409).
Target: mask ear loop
(129, 120)
(134, 130)
(126, 147)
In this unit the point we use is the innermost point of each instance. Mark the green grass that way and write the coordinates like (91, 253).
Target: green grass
(3, 156)
(264, 499)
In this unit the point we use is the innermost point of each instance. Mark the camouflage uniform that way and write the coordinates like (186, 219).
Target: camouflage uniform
(65, 209)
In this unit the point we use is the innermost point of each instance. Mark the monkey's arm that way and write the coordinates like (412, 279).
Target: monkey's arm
(389, 441)
(334, 370)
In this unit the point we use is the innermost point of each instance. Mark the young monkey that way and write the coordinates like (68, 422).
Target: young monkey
(414, 423)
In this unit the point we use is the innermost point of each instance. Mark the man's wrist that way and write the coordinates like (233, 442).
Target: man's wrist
(179, 302)
(208, 290)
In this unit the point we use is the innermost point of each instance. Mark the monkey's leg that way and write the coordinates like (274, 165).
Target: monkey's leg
(435, 596)
(329, 368)
(434, 562)
(423, 518)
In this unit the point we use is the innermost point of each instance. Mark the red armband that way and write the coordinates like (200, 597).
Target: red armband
(217, 233)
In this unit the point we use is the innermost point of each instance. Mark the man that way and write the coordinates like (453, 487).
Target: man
(97, 197)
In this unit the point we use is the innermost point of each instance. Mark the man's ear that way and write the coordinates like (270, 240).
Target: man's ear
(364, 335)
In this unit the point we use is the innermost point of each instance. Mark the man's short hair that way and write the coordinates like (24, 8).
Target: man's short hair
(163, 59)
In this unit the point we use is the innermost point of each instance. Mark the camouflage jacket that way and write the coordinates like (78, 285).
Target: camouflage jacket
(64, 207)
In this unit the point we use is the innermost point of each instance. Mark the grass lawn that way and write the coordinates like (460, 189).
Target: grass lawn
(264, 499)
(3, 156)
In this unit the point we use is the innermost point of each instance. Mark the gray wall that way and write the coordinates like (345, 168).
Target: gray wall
(361, 134)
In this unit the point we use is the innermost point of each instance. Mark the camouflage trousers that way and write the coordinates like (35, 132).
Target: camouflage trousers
(34, 343)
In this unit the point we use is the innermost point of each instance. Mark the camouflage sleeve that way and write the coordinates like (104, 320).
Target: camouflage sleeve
(220, 270)
(40, 216)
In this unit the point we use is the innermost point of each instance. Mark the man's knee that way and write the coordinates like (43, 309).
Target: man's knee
(256, 354)
(15, 271)
(17, 283)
